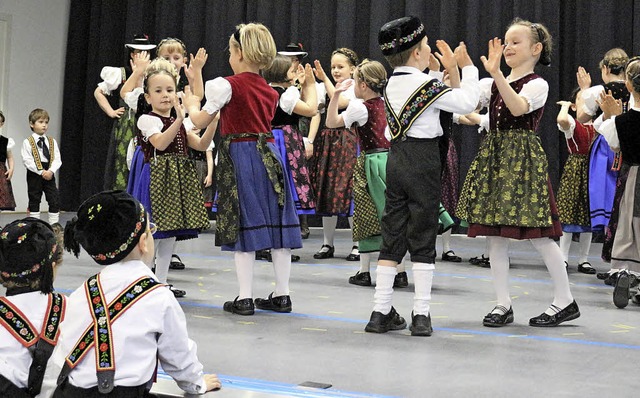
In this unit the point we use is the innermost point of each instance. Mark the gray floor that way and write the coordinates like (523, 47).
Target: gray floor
(323, 341)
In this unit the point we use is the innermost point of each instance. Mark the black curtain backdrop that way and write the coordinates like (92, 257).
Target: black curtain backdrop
(582, 30)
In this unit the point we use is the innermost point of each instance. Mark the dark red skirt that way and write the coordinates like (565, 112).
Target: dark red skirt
(7, 201)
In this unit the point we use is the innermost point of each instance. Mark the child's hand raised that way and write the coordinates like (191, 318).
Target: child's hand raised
(492, 64)
(445, 55)
(190, 102)
(196, 63)
(318, 71)
(178, 106)
(462, 56)
(583, 78)
(564, 103)
(309, 79)
(343, 86)
(140, 61)
(434, 64)
(609, 105)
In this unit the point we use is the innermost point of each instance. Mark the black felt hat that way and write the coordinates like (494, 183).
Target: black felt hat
(294, 50)
(108, 226)
(27, 247)
(400, 34)
(141, 42)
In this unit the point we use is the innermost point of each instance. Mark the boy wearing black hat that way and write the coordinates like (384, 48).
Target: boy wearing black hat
(410, 221)
(30, 313)
(122, 319)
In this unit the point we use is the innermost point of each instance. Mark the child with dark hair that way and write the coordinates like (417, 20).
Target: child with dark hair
(30, 252)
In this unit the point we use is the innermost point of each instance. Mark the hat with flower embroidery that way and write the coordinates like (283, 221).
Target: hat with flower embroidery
(108, 226)
(28, 247)
(400, 34)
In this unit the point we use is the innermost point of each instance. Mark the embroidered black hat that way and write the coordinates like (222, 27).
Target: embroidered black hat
(140, 42)
(27, 248)
(400, 34)
(294, 50)
(108, 226)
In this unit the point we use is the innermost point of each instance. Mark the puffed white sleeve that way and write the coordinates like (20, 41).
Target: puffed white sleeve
(131, 98)
(289, 99)
(568, 133)
(10, 144)
(356, 112)
(218, 94)
(589, 99)
(111, 79)
(484, 123)
(485, 91)
(535, 92)
(149, 125)
(610, 133)
(351, 91)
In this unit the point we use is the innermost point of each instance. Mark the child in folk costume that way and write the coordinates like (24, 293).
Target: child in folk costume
(121, 321)
(573, 193)
(7, 201)
(621, 132)
(31, 312)
(410, 219)
(41, 157)
(168, 184)
(509, 194)
(255, 205)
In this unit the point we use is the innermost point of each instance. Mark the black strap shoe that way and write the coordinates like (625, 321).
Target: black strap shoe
(176, 262)
(568, 313)
(322, 254)
(240, 307)
(354, 255)
(361, 279)
(496, 320)
(621, 289)
(264, 254)
(421, 325)
(381, 323)
(586, 268)
(401, 280)
(277, 304)
(451, 257)
(177, 293)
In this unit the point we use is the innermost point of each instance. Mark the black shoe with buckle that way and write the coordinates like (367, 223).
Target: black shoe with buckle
(496, 320)
(240, 307)
(568, 313)
(621, 289)
(451, 256)
(264, 254)
(481, 261)
(177, 292)
(322, 254)
(421, 325)
(361, 279)
(354, 255)
(381, 323)
(401, 280)
(277, 304)
(176, 262)
(304, 232)
(586, 268)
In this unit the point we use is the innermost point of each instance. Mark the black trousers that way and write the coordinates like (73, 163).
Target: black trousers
(66, 390)
(8, 389)
(410, 218)
(36, 186)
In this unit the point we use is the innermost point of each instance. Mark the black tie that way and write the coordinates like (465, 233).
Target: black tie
(45, 149)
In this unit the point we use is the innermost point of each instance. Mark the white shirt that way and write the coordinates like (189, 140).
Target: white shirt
(15, 359)
(10, 144)
(154, 325)
(289, 99)
(356, 112)
(610, 133)
(27, 155)
(150, 125)
(111, 79)
(461, 100)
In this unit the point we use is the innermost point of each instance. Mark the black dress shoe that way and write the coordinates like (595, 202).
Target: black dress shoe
(380, 323)
(421, 325)
(480, 261)
(264, 254)
(277, 304)
(352, 256)
(295, 258)
(401, 280)
(451, 256)
(361, 279)
(240, 307)
(322, 254)
(621, 290)
(177, 292)
(176, 262)
(494, 320)
(304, 232)
(586, 268)
(568, 313)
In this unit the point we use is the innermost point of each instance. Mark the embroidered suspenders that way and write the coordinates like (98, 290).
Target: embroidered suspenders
(417, 103)
(36, 154)
(19, 326)
(100, 329)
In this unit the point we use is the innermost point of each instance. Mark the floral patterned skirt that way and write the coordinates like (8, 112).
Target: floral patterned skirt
(116, 170)
(7, 201)
(507, 190)
(291, 147)
(450, 177)
(573, 195)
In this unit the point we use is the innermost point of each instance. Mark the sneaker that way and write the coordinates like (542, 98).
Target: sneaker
(421, 325)
(277, 304)
(381, 323)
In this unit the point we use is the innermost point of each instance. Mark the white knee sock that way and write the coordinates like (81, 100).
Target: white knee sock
(422, 279)
(585, 245)
(329, 229)
(174, 250)
(35, 214)
(384, 288)
(446, 241)
(54, 218)
(282, 269)
(244, 272)
(565, 245)
(365, 262)
(552, 258)
(163, 258)
(499, 254)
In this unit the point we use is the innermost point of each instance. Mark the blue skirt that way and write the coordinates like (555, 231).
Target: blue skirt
(263, 223)
(136, 169)
(602, 183)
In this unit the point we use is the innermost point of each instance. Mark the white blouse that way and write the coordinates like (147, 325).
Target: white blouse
(150, 125)
(111, 79)
(289, 99)
(218, 94)
(356, 112)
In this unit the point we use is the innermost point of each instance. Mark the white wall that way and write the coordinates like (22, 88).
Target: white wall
(34, 57)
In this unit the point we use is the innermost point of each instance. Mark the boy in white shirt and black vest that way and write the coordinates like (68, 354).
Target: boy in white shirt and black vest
(410, 220)
(41, 157)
